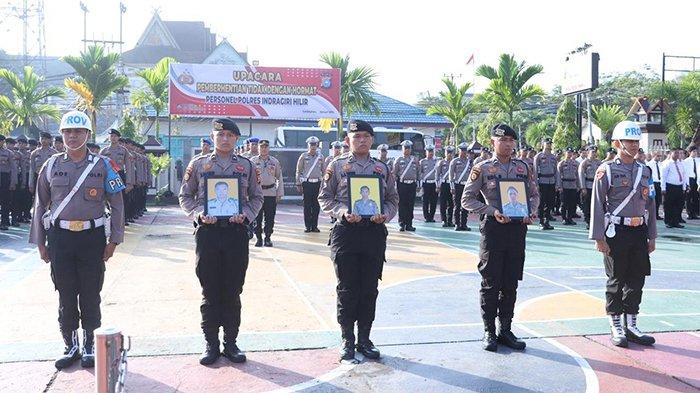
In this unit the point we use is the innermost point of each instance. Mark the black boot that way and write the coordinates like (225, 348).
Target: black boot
(72, 352)
(402, 228)
(233, 353)
(364, 345)
(450, 224)
(88, 359)
(347, 350)
(507, 338)
(488, 343)
(259, 242)
(634, 334)
(268, 242)
(212, 351)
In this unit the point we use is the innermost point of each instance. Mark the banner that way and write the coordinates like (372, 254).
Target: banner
(254, 92)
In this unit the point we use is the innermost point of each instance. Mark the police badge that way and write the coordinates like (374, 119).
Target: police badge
(326, 81)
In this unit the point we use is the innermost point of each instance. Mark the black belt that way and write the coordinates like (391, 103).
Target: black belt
(569, 179)
(546, 175)
(268, 187)
(589, 179)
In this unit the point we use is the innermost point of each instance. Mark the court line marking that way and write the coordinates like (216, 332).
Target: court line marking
(667, 323)
(602, 267)
(694, 334)
(325, 378)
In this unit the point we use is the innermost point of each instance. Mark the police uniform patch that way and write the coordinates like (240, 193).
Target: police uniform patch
(92, 192)
(520, 169)
(475, 174)
(327, 176)
(378, 170)
(239, 168)
(347, 167)
(625, 182)
(599, 174)
(207, 167)
(188, 173)
(645, 192)
(257, 175)
(493, 169)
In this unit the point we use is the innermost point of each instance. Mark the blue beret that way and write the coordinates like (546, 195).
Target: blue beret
(207, 141)
(253, 140)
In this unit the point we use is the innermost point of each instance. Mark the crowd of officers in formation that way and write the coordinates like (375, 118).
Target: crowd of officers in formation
(22, 158)
(73, 232)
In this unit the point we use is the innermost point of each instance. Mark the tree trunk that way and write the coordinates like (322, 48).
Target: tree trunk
(158, 127)
(340, 128)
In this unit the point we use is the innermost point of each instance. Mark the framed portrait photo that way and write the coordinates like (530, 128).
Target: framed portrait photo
(513, 198)
(222, 196)
(365, 195)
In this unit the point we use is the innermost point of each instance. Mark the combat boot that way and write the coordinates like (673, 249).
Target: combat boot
(364, 345)
(88, 359)
(72, 352)
(507, 338)
(233, 353)
(259, 242)
(634, 334)
(618, 337)
(402, 228)
(212, 351)
(268, 242)
(347, 350)
(450, 224)
(489, 342)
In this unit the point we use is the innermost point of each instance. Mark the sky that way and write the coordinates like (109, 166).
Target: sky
(411, 46)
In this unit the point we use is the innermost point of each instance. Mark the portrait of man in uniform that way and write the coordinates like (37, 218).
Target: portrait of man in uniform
(365, 206)
(365, 195)
(222, 197)
(513, 197)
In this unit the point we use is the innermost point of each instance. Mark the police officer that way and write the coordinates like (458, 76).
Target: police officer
(346, 148)
(568, 178)
(272, 186)
(16, 194)
(222, 244)
(308, 179)
(611, 154)
(483, 153)
(39, 157)
(383, 151)
(205, 146)
(357, 244)
(8, 183)
(429, 178)
(502, 249)
(80, 237)
(93, 148)
(407, 172)
(58, 144)
(655, 165)
(545, 168)
(446, 200)
(624, 228)
(24, 197)
(586, 173)
(120, 155)
(459, 172)
(252, 145)
(337, 147)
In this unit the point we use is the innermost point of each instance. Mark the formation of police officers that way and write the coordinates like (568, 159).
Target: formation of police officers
(76, 235)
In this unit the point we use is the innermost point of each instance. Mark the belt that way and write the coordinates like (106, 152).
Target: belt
(311, 180)
(464, 183)
(77, 226)
(569, 179)
(429, 181)
(541, 175)
(627, 221)
(268, 187)
(589, 179)
(407, 181)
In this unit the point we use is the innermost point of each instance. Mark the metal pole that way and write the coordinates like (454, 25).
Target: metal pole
(109, 343)
(591, 140)
(170, 143)
(663, 81)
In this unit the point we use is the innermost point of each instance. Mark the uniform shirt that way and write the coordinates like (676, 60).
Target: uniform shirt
(427, 172)
(88, 203)
(328, 160)
(655, 170)
(149, 166)
(9, 165)
(17, 157)
(227, 207)
(119, 154)
(334, 197)
(365, 208)
(305, 164)
(444, 170)
(692, 167)
(25, 153)
(270, 171)
(545, 168)
(459, 170)
(194, 185)
(484, 179)
(586, 172)
(410, 165)
(568, 174)
(606, 197)
(673, 172)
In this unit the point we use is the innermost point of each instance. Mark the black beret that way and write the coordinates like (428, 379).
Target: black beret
(547, 140)
(360, 125)
(500, 130)
(33, 142)
(223, 123)
(10, 140)
(691, 148)
(570, 149)
(58, 139)
(112, 131)
(612, 150)
(641, 150)
(22, 139)
(45, 135)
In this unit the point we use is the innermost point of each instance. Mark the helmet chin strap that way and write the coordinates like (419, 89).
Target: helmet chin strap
(79, 147)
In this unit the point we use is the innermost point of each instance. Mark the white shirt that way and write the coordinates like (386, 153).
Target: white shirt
(673, 172)
(655, 170)
(688, 164)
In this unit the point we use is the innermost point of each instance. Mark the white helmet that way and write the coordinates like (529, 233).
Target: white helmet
(75, 119)
(627, 130)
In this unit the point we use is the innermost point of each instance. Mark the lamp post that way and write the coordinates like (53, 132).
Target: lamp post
(83, 7)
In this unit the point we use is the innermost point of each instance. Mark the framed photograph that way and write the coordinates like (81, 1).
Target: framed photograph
(365, 195)
(223, 196)
(513, 198)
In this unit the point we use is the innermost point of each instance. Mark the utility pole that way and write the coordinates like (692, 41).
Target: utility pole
(85, 11)
(25, 22)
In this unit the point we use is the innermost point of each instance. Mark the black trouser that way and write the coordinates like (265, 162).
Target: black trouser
(558, 201)
(658, 197)
(587, 205)
(311, 206)
(673, 204)
(5, 198)
(501, 260)
(430, 197)
(222, 260)
(407, 199)
(446, 202)
(357, 251)
(17, 202)
(77, 271)
(692, 203)
(544, 210)
(569, 201)
(461, 214)
(626, 267)
(269, 208)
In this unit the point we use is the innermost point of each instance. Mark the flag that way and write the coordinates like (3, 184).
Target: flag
(471, 59)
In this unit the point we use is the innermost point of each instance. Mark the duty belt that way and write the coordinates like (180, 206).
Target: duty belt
(311, 180)
(429, 181)
(627, 221)
(589, 179)
(78, 226)
(407, 181)
(550, 175)
(268, 186)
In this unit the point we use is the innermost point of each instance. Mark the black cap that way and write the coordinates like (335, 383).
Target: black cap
(570, 149)
(91, 145)
(612, 150)
(558, 151)
(641, 150)
(33, 142)
(501, 129)
(360, 125)
(691, 148)
(58, 139)
(223, 123)
(547, 140)
(116, 132)
(22, 139)
(10, 140)
(45, 135)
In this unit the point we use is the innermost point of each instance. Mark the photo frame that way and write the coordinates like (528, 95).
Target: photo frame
(222, 196)
(365, 195)
(513, 198)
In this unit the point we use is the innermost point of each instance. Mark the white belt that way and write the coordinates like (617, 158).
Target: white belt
(312, 180)
(77, 226)
(408, 181)
(464, 183)
(627, 221)
(429, 181)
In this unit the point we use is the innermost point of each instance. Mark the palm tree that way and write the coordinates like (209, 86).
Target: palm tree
(536, 132)
(456, 107)
(606, 118)
(29, 99)
(155, 93)
(97, 79)
(507, 90)
(682, 121)
(356, 87)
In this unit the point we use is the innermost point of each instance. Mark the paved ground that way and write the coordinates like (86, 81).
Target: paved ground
(428, 326)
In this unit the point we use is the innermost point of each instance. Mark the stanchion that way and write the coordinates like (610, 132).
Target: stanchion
(110, 360)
